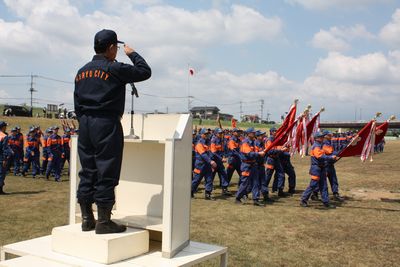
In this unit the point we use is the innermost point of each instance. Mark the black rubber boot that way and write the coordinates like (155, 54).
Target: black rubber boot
(225, 192)
(104, 224)
(329, 206)
(303, 203)
(337, 197)
(281, 193)
(88, 221)
(258, 203)
(314, 196)
(267, 199)
(2, 192)
(208, 196)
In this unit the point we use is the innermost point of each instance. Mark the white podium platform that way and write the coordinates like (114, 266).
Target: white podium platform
(192, 254)
(107, 248)
(33, 261)
(154, 187)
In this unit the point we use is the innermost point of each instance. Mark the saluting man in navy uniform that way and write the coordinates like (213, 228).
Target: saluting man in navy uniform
(99, 99)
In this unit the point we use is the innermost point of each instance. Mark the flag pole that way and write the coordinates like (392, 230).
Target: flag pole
(188, 87)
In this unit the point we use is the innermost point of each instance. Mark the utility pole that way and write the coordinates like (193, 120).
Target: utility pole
(355, 114)
(241, 111)
(268, 115)
(32, 90)
(261, 109)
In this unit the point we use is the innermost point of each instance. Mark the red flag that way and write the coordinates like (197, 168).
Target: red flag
(362, 143)
(300, 143)
(381, 131)
(313, 125)
(233, 123)
(191, 71)
(289, 119)
(282, 138)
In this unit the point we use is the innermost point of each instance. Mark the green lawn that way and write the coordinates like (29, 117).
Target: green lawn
(362, 231)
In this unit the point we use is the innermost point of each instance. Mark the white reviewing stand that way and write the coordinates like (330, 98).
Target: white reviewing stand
(153, 195)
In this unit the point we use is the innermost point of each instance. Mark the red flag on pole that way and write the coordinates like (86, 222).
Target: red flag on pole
(233, 123)
(289, 119)
(282, 138)
(191, 71)
(300, 142)
(361, 144)
(313, 125)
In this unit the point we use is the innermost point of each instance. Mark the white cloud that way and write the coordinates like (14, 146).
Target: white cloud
(372, 68)
(339, 38)
(55, 32)
(4, 94)
(58, 24)
(326, 40)
(344, 4)
(343, 83)
(390, 33)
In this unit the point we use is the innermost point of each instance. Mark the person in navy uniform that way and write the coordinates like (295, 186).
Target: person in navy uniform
(217, 154)
(55, 150)
(45, 150)
(99, 100)
(31, 153)
(4, 154)
(318, 172)
(233, 153)
(249, 172)
(203, 166)
(15, 145)
(65, 139)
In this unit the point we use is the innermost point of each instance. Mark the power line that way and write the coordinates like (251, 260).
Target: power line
(160, 96)
(54, 80)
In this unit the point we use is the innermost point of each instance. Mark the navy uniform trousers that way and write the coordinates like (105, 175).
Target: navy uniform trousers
(100, 147)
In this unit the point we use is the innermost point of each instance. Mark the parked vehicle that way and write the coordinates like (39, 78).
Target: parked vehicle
(11, 110)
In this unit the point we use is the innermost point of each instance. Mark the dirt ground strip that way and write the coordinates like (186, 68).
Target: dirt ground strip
(370, 194)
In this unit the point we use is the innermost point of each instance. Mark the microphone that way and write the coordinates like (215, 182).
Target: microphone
(134, 90)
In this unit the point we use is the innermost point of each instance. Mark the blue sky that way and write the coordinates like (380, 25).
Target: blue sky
(341, 54)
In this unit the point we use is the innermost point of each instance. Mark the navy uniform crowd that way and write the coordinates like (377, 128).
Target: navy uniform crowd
(260, 169)
(36, 153)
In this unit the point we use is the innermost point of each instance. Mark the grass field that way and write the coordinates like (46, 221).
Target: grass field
(362, 231)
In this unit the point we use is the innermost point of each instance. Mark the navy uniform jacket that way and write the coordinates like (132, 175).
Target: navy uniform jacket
(100, 84)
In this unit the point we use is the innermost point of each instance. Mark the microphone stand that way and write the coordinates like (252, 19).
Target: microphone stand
(134, 92)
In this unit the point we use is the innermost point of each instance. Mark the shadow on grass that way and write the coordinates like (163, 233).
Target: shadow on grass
(27, 192)
(369, 208)
(390, 200)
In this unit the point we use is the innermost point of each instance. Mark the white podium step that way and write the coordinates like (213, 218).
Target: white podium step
(106, 249)
(33, 261)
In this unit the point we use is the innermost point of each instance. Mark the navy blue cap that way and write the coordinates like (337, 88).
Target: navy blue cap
(14, 129)
(319, 135)
(105, 38)
(203, 131)
(49, 130)
(32, 129)
(273, 129)
(326, 132)
(18, 127)
(259, 133)
(3, 123)
(235, 130)
(250, 130)
(218, 130)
